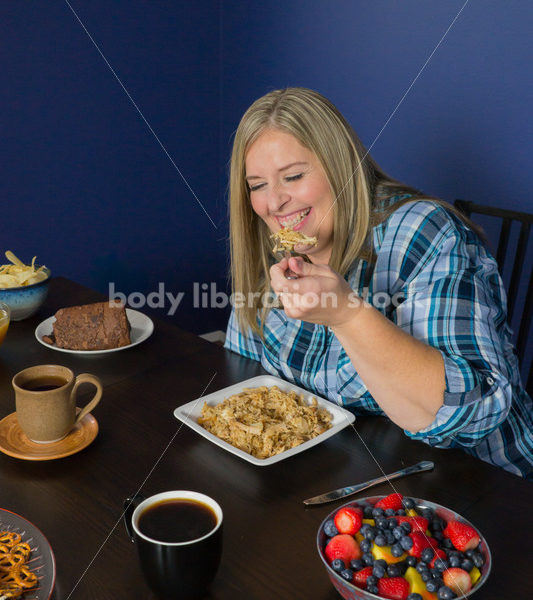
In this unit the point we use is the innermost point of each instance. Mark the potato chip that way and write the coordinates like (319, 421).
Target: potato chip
(18, 274)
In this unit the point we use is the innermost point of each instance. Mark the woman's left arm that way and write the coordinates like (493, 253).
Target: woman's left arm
(404, 375)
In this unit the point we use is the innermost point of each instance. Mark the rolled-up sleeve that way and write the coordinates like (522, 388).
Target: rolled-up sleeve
(453, 300)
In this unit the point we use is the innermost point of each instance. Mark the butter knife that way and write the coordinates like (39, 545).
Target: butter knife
(425, 465)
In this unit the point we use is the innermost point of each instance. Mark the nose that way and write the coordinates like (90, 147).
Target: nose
(277, 197)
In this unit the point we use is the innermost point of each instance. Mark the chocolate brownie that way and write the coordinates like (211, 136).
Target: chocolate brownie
(99, 326)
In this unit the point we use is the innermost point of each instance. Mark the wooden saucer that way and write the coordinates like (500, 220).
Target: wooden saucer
(13, 440)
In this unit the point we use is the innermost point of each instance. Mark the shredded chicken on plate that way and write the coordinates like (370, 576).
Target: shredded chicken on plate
(265, 421)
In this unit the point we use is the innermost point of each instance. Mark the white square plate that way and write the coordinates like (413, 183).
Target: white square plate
(189, 413)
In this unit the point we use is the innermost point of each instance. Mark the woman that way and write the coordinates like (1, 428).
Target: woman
(398, 309)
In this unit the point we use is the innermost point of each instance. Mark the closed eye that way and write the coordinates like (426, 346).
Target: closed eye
(294, 177)
(257, 186)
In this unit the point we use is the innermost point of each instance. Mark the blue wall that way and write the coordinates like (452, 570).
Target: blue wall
(86, 186)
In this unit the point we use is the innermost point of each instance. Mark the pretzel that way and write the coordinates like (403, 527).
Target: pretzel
(10, 590)
(10, 538)
(15, 576)
(21, 550)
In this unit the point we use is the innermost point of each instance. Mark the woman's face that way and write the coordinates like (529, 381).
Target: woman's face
(288, 187)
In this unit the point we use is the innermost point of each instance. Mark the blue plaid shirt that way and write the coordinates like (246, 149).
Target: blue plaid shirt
(448, 293)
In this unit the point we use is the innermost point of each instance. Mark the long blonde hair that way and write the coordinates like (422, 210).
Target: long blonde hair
(356, 181)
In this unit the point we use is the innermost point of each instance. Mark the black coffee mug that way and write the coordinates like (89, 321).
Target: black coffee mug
(181, 569)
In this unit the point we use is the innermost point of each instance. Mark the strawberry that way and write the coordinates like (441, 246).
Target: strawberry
(349, 520)
(462, 536)
(359, 577)
(438, 554)
(394, 588)
(342, 546)
(420, 541)
(393, 501)
(458, 580)
(417, 523)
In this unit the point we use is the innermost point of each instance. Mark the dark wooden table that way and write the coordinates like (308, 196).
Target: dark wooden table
(269, 536)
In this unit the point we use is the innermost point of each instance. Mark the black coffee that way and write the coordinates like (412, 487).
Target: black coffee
(177, 520)
(44, 384)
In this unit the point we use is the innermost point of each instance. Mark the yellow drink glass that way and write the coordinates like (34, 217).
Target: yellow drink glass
(5, 315)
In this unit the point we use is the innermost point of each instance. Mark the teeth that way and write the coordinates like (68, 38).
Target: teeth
(295, 219)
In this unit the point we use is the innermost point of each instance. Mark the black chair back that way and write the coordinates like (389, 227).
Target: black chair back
(521, 258)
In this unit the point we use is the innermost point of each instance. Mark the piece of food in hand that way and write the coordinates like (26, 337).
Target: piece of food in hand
(99, 326)
(349, 520)
(17, 274)
(462, 536)
(287, 239)
(342, 546)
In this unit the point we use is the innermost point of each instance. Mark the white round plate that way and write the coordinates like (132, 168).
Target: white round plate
(142, 328)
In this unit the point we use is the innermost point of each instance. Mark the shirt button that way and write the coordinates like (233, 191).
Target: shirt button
(490, 381)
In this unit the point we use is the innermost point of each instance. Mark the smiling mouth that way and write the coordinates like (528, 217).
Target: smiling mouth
(293, 220)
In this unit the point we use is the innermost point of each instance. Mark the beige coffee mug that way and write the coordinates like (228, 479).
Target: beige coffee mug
(45, 397)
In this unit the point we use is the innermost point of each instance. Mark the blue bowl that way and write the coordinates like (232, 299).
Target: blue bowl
(26, 300)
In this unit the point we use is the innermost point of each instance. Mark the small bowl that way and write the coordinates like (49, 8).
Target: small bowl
(351, 592)
(26, 300)
(5, 317)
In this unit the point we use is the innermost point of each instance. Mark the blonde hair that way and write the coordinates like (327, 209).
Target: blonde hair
(357, 184)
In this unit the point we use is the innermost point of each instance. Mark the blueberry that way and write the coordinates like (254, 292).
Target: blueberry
(364, 527)
(365, 545)
(406, 527)
(373, 589)
(380, 540)
(441, 564)
(427, 513)
(434, 584)
(408, 503)
(338, 565)
(402, 566)
(427, 555)
(478, 559)
(421, 567)
(469, 553)
(369, 533)
(368, 559)
(393, 523)
(438, 536)
(406, 543)
(435, 573)
(426, 576)
(390, 512)
(329, 528)
(414, 596)
(356, 564)
(411, 561)
(446, 543)
(401, 512)
(371, 580)
(347, 574)
(377, 512)
(382, 522)
(378, 571)
(367, 511)
(398, 532)
(436, 525)
(445, 593)
(467, 564)
(394, 570)
(389, 537)
(396, 550)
